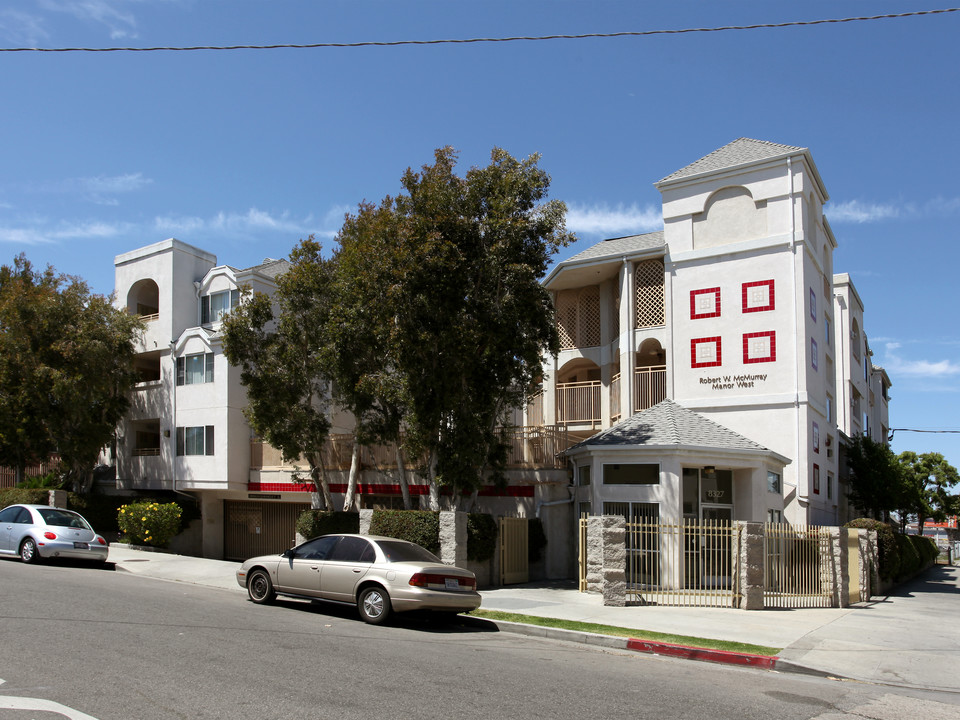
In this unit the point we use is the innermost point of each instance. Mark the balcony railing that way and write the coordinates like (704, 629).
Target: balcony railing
(650, 386)
(528, 447)
(579, 402)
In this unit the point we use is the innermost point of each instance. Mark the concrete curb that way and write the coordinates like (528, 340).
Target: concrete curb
(686, 652)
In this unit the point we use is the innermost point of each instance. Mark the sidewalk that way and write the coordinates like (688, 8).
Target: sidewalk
(907, 639)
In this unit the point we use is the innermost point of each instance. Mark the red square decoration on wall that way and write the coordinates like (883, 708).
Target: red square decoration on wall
(704, 303)
(758, 296)
(760, 347)
(816, 479)
(705, 352)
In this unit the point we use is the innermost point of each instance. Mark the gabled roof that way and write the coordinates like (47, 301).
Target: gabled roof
(618, 247)
(270, 267)
(742, 151)
(667, 424)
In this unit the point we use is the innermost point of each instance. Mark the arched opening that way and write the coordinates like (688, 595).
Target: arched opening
(730, 215)
(650, 381)
(143, 299)
(578, 392)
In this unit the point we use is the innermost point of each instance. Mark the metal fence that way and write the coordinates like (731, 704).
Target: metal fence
(698, 564)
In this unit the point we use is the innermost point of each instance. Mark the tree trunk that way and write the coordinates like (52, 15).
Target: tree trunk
(321, 500)
(434, 488)
(402, 474)
(348, 499)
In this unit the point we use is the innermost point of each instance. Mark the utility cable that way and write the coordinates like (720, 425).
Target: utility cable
(464, 41)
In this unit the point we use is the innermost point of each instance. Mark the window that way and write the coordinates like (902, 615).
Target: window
(716, 486)
(773, 482)
(215, 305)
(829, 409)
(813, 305)
(192, 369)
(816, 479)
(316, 549)
(829, 486)
(195, 440)
(814, 354)
(826, 330)
(584, 473)
(631, 474)
(816, 438)
(775, 516)
(353, 550)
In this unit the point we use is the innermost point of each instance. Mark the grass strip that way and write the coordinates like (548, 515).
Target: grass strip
(633, 633)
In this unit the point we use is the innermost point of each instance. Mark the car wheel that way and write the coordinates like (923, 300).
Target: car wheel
(374, 605)
(28, 551)
(259, 587)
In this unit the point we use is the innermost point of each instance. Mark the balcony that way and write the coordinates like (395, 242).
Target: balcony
(649, 387)
(579, 402)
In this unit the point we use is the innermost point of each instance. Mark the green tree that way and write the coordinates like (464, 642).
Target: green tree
(875, 483)
(280, 344)
(449, 272)
(927, 480)
(66, 370)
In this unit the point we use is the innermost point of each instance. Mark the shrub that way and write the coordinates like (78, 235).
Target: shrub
(313, 523)
(149, 523)
(536, 540)
(419, 526)
(48, 481)
(926, 548)
(909, 557)
(481, 536)
(888, 560)
(23, 496)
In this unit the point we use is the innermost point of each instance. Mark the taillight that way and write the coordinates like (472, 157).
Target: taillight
(101, 540)
(436, 581)
(49, 535)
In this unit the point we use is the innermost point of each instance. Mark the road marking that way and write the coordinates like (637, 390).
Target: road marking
(10, 702)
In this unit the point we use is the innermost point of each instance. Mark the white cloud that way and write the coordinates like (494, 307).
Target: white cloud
(253, 221)
(620, 220)
(109, 13)
(895, 365)
(21, 28)
(854, 211)
(40, 233)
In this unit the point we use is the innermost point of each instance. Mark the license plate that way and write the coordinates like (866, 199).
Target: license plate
(452, 583)
(81, 546)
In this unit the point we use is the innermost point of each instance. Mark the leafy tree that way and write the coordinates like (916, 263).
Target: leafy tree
(875, 484)
(927, 479)
(449, 272)
(66, 369)
(283, 356)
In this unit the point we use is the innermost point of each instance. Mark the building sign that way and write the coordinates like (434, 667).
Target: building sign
(733, 382)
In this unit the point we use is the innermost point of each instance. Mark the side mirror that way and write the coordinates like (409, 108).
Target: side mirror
(288, 553)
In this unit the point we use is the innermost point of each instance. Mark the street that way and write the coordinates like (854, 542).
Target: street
(115, 646)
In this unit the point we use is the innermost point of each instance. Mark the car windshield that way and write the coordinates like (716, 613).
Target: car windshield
(406, 552)
(63, 518)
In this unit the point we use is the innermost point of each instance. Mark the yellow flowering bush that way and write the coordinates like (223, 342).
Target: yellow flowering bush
(149, 523)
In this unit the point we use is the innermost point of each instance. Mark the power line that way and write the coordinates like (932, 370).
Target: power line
(397, 43)
(951, 432)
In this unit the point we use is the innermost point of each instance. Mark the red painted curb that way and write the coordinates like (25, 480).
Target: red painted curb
(766, 662)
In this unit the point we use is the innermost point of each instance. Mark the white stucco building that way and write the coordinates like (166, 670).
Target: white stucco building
(710, 370)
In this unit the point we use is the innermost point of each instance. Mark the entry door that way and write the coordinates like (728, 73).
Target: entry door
(715, 541)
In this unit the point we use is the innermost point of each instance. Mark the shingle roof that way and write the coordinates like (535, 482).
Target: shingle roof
(270, 267)
(667, 423)
(739, 152)
(616, 247)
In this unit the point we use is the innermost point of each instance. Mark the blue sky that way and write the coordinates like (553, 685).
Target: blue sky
(245, 152)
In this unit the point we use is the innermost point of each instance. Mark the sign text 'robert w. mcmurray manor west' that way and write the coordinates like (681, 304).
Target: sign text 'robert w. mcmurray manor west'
(732, 382)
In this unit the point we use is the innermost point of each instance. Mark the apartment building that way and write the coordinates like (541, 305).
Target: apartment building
(709, 370)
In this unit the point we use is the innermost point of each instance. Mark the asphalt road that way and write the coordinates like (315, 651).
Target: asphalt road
(81, 642)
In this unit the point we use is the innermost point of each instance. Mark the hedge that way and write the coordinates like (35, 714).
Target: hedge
(888, 560)
(146, 523)
(313, 523)
(418, 526)
(481, 536)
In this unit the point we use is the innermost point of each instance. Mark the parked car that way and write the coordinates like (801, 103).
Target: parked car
(41, 531)
(379, 575)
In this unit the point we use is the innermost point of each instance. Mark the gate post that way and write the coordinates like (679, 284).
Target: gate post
(840, 567)
(606, 540)
(453, 537)
(750, 562)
